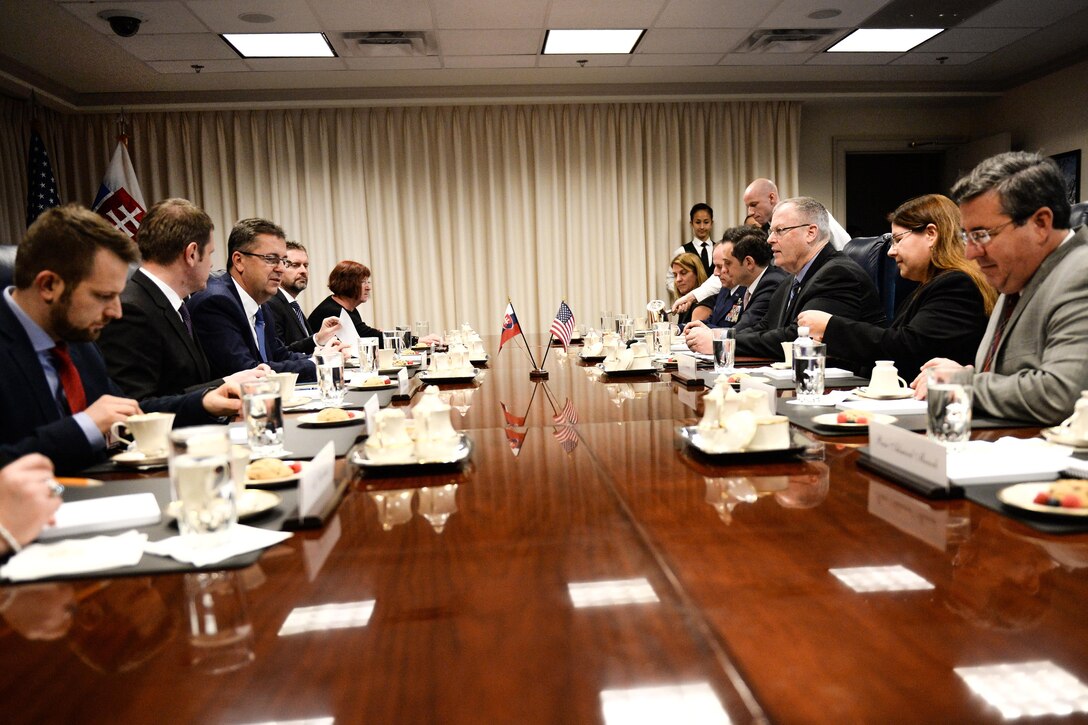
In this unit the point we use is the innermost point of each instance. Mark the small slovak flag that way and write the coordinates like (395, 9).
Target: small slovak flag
(119, 198)
(510, 326)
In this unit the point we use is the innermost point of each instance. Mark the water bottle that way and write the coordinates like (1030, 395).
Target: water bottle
(808, 367)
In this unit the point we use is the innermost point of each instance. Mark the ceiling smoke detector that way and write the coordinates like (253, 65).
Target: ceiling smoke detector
(390, 43)
(786, 40)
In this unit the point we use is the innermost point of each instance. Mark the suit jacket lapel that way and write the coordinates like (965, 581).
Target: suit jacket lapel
(173, 321)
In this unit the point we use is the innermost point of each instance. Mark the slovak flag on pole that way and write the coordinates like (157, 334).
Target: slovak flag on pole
(510, 326)
(119, 198)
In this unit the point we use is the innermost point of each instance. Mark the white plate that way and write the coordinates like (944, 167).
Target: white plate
(252, 503)
(460, 454)
(630, 373)
(1022, 496)
(297, 401)
(830, 420)
(437, 379)
(262, 482)
(864, 393)
(135, 459)
(383, 386)
(1061, 436)
(355, 417)
(781, 366)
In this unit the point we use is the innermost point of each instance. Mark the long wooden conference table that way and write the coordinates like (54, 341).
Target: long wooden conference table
(607, 576)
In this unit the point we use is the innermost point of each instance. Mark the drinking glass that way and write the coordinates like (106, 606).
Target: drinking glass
(389, 341)
(663, 338)
(403, 340)
(808, 372)
(950, 393)
(422, 329)
(220, 631)
(330, 377)
(725, 349)
(200, 481)
(368, 355)
(262, 409)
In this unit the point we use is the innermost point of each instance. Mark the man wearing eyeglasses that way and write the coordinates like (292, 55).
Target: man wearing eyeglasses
(820, 277)
(232, 317)
(287, 316)
(1031, 361)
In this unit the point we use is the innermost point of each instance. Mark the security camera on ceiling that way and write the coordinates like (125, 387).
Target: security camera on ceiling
(123, 22)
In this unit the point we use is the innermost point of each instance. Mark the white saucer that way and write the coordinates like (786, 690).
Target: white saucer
(138, 460)
(863, 392)
(354, 417)
(249, 504)
(781, 366)
(297, 401)
(1061, 436)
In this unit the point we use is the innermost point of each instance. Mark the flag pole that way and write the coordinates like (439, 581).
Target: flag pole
(551, 401)
(524, 339)
(547, 348)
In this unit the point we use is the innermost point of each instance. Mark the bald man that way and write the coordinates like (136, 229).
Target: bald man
(759, 201)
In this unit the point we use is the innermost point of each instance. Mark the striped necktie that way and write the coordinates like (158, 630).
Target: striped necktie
(999, 330)
(301, 318)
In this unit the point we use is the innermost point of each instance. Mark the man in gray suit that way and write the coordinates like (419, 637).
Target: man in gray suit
(1031, 361)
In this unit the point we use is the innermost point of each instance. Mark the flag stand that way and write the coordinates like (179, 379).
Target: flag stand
(538, 374)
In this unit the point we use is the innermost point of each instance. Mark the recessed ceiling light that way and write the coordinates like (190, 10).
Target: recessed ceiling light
(883, 40)
(256, 18)
(280, 45)
(825, 14)
(585, 42)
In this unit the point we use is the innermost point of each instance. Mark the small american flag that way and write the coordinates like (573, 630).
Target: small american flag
(567, 435)
(563, 324)
(41, 192)
(567, 416)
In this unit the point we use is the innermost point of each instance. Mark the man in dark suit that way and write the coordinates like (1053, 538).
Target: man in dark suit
(231, 316)
(749, 260)
(69, 274)
(820, 277)
(290, 322)
(151, 350)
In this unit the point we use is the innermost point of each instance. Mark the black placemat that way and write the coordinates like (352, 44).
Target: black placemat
(986, 496)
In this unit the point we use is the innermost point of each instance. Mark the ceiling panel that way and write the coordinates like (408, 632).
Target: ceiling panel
(794, 13)
(712, 14)
(491, 61)
(852, 58)
(482, 42)
(764, 58)
(294, 65)
(177, 47)
(405, 63)
(974, 40)
(359, 16)
(916, 58)
(210, 66)
(704, 40)
(603, 13)
(159, 17)
(1019, 14)
(571, 61)
(675, 59)
(488, 14)
(288, 16)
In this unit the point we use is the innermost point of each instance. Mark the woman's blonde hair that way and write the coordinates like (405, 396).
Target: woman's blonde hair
(691, 263)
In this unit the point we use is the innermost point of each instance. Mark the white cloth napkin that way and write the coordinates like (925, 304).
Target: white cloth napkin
(75, 556)
(833, 398)
(787, 374)
(242, 540)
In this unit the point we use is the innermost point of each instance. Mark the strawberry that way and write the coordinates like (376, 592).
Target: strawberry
(296, 467)
(842, 418)
(1070, 501)
(1041, 498)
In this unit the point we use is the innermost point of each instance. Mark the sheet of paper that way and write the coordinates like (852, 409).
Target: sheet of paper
(317, 482)
(347, 332)
(103, 514)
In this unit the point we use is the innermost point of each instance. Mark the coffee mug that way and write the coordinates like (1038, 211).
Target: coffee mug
(149, 431)
(885, 379)
(385, 358)
(787, 352)
(287, 385)
(1076, 425)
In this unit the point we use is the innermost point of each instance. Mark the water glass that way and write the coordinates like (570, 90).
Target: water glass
(663, 338)
(725, 350)
(262, 409)
(950, 394)
(220, 631)
(403, 340)
(421, 329)
(389, 341)
(330, 377)
(200, 482)
(368, 355)
(808, 372)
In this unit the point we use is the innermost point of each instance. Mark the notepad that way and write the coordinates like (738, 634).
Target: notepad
(103, 514)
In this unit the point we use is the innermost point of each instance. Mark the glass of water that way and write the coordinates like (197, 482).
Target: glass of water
(200, 482)
(725, 350)
(808, 372)
(950, 394)
(663, 338)
(262, 409)
(368, 355)
(421, 329)
(389, 342)
(330, 377)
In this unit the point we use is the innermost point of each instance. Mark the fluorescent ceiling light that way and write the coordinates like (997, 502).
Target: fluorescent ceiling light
(327, 616)
(1027, 689)
(280, 45)
(693, 703)
(611, 593)
(883, 40)
(880, 579)
(591, 42)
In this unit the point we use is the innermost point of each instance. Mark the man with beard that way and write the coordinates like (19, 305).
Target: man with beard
(287, 315)
(57, 399)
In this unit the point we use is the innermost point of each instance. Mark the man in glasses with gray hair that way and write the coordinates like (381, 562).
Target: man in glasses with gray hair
(1030, 364)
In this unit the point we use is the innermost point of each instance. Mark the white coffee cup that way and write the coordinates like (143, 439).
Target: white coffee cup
(787, 352)
(287, 385)
(385, 358)
(1076, 425)
(885, 379)
(150, 432)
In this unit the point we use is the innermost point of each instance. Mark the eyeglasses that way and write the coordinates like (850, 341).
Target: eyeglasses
(896, 238)
(779, 231)
(270, 259)
(296, 265)
(982, 237)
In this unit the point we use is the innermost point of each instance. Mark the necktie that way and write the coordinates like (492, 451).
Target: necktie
(999, 330)
(301, 318)
(747, 299)
(705, 258)
(70, 382)
(186, 318)
(258, 327)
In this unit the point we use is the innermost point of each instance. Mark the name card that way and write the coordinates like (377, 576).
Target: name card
(316, 485)
(685, 365)
(690, 398)
(767, 389)
(909, 451)
(370, 408)
(909, 515)
(316, 551)
(402, 379)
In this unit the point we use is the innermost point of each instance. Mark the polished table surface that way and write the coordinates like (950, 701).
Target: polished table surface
(722, 591)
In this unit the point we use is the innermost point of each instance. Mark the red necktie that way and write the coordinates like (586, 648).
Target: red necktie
(999, 330)
(69, 379)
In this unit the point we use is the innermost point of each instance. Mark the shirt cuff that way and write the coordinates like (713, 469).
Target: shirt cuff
(90, 430)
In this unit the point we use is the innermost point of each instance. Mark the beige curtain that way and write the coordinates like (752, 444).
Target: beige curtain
(454, 208)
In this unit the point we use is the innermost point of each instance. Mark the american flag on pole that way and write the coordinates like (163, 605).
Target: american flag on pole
(567, 435)
(567, 416)
(510, 326)
(41, 186)
(119, 198)
(563, 324)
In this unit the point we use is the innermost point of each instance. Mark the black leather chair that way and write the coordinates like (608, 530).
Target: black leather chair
(871, 253)
(1078, 214)
(7, 264)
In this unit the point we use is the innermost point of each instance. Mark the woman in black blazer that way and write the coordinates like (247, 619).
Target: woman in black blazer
(349, 283)
(945, 316)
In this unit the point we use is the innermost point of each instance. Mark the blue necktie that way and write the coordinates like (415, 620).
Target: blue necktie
(258, 326)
